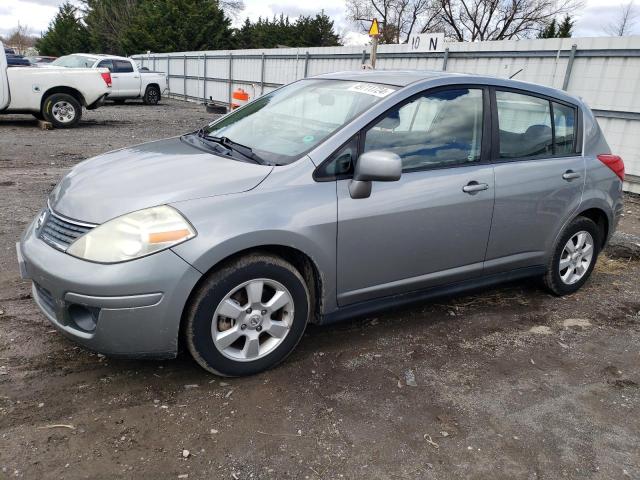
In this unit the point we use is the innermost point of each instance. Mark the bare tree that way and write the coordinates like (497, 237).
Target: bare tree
(20, 39)
(461, 20)
(398, 19)
(625, 21)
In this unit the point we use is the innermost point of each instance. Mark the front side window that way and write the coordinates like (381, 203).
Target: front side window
(283, 125)
(106, 64)
(435, 130)
(525, 125)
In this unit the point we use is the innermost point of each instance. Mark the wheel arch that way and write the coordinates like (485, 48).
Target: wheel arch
(307, 267)
(62, 89)
(152, 85)
(600, 218)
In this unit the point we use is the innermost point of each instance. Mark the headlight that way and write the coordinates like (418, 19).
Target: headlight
(133, 235)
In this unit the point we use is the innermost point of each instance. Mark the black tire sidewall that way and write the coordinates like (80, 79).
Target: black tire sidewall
(554, 281)
(147, 98)
(199, 324)
(51, 100)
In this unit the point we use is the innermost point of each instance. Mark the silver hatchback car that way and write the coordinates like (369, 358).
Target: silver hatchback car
(328, 198)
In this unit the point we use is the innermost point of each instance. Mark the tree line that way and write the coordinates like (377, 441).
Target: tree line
(126, 27)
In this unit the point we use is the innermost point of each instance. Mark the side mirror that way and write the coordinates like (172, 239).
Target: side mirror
(376, 165)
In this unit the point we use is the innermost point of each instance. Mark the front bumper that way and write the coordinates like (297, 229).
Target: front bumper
(130, 309)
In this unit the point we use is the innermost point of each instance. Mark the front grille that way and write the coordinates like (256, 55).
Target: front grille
(46, 299)
(60, 232)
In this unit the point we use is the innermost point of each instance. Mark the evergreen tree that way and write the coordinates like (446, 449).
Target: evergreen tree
(177, 26)
(106, 22)
(565, 27)
(66, 34)
(550, 31)
(306, 31)
(555, 30)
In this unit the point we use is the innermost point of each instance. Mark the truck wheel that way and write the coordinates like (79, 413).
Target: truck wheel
(62, 110)
(151, 95)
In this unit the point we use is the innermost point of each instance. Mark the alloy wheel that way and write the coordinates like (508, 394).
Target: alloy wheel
(576, 257)
(252, 320)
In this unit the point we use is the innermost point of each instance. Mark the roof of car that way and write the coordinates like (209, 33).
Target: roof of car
(402, 78)
(399, 78)
(100, 56)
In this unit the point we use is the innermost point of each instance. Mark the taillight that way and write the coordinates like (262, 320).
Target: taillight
(106, 76)
(614, 162)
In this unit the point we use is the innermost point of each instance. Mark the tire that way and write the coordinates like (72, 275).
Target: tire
(567, 280)
(62, 110)
(228, 290)
(151, 95)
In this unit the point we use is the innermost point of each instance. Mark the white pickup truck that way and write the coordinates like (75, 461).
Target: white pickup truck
(128, 80)
(53, 94)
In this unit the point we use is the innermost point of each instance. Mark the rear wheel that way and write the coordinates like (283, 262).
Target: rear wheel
(151, 95)
(574, 257)
(62, 110)
(247, 316)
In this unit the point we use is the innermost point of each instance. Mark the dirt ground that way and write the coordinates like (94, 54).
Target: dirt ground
(511, 383)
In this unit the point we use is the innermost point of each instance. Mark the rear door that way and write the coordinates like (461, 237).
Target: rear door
(4, 81)
(431, 227)
(128, 78)
(539, 177)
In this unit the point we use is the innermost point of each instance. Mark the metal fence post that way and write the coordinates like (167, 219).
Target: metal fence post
(306, 64)
(364, 57)
(204, 80)
(262, 74)
(567, 73)
(184, 77)
(230, 79)
(169, 74)
(445, 59)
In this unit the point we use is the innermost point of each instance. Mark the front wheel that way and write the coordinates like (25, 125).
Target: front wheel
(574, 257)
(151, 95)
(61, 110)
(247, 316)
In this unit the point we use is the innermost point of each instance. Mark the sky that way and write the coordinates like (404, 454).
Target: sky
(36, 14)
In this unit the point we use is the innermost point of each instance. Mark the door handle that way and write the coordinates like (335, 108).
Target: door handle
(473, 187)
(136, 76)
(570, 175)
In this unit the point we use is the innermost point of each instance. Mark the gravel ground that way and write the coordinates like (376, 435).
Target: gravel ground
(507, 383)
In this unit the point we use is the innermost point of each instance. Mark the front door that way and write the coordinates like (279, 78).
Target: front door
(126, 79)
(431, 227)
(539, 176)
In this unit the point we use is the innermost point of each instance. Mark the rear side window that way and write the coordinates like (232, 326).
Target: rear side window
(122, 66)
(564, 122)
(435, 130)
(525, 125)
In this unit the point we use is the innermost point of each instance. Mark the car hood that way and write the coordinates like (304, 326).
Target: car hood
(147, 175)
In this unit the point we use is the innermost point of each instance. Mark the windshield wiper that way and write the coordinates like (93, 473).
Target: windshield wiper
(243, 150)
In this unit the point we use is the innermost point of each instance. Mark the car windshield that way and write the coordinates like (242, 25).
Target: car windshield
(283, 125)
(74, 61)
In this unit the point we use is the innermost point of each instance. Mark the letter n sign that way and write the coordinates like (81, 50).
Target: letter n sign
(426, 42)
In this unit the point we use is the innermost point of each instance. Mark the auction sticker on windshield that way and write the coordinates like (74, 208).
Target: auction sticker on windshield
(372, 89)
